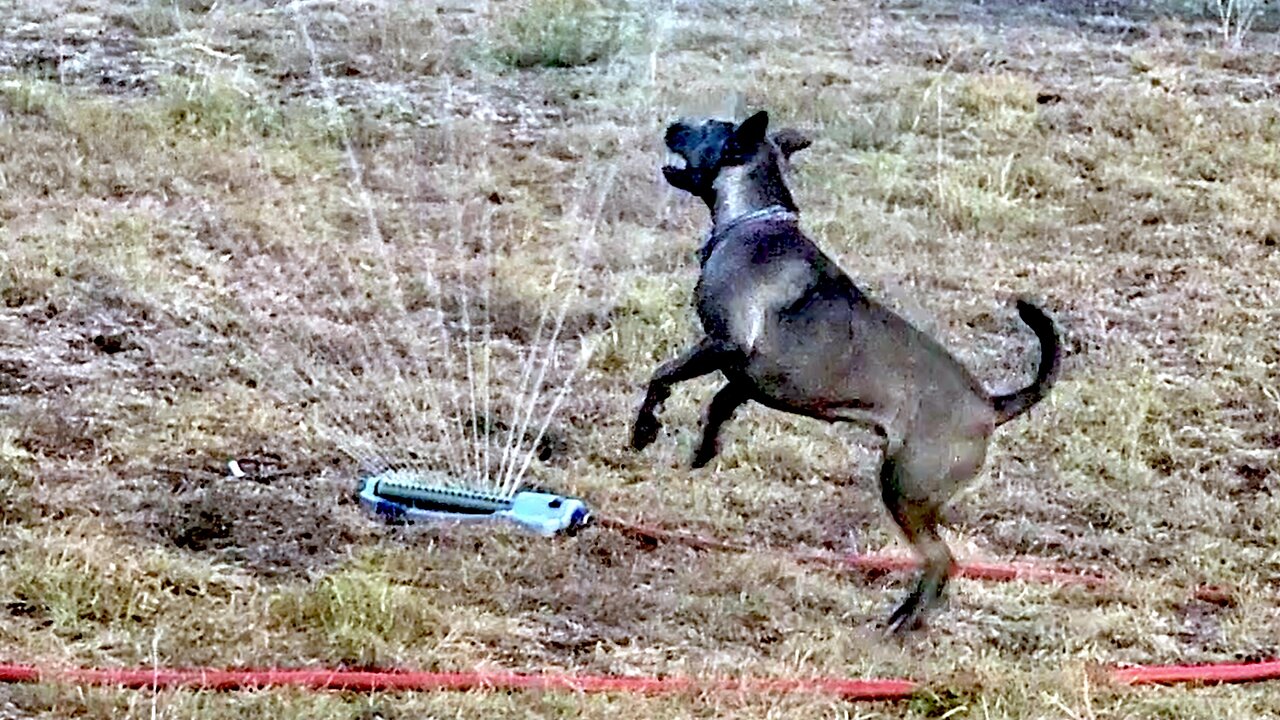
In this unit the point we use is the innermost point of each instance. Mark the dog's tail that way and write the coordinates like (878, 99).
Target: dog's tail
(1012, 405)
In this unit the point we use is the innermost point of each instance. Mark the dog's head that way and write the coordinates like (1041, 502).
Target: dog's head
(710, 146)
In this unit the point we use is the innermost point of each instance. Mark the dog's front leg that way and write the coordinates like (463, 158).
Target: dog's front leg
(706, 357)
(721, 408)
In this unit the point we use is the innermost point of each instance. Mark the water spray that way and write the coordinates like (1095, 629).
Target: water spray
(464, 474)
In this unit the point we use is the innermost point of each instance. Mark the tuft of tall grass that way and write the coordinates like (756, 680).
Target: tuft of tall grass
(158, 18)
(360, 615)
(15, 477)
(562, 34)
(80, 582)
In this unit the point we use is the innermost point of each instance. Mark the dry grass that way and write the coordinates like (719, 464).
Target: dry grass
(188, 274)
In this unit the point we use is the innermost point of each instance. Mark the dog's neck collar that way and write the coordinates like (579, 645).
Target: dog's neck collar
(773, 212)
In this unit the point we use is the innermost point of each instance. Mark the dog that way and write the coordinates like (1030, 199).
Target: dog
(789, 329)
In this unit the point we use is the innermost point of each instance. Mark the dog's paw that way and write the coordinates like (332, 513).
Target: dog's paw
(645, 431)
(907, 617)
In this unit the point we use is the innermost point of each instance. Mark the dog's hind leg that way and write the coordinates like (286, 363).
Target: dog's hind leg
(718, 411)
(706, 357)
(919, 522)
(916, 481)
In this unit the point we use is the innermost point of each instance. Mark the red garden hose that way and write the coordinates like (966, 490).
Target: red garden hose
(1205, 674)
(884, 689)
(1035, 572)
(392, 681)
(372, 681)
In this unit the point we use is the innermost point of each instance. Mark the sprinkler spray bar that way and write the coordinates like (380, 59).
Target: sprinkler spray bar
(414, 496)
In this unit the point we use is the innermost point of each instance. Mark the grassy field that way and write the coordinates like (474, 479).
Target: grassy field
(270, 233)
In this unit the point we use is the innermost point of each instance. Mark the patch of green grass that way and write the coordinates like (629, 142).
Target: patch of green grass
(159, 18)
(876, 127)
(1122, 428)
(995, 96)
(33, 96)
(214, 105)
(196, 131)
(895, 177)
(83, 584)
(870, 126)
(984, 206)
(989, 196)
(893, 115)
(562, 34)
(72, 701)
(1145, 115)
(15, 478)
(649, 324)
(404, 36)
(205, 105)
(360, 615)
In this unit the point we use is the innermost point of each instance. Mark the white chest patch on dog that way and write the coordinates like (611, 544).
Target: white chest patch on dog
(759, 307)
(754, 322)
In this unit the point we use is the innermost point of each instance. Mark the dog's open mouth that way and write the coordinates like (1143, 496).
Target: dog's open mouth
(680, 174)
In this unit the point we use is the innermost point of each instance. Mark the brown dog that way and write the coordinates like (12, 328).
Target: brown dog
(789, 329)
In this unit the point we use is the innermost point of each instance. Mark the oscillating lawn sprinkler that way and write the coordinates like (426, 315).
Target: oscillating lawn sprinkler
(420, 496)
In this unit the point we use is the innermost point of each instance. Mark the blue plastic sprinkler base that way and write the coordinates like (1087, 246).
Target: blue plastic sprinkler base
(543, 513)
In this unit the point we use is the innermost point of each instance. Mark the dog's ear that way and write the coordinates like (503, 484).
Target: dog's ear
(747, 137)
(791, 141)
(680, 178)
